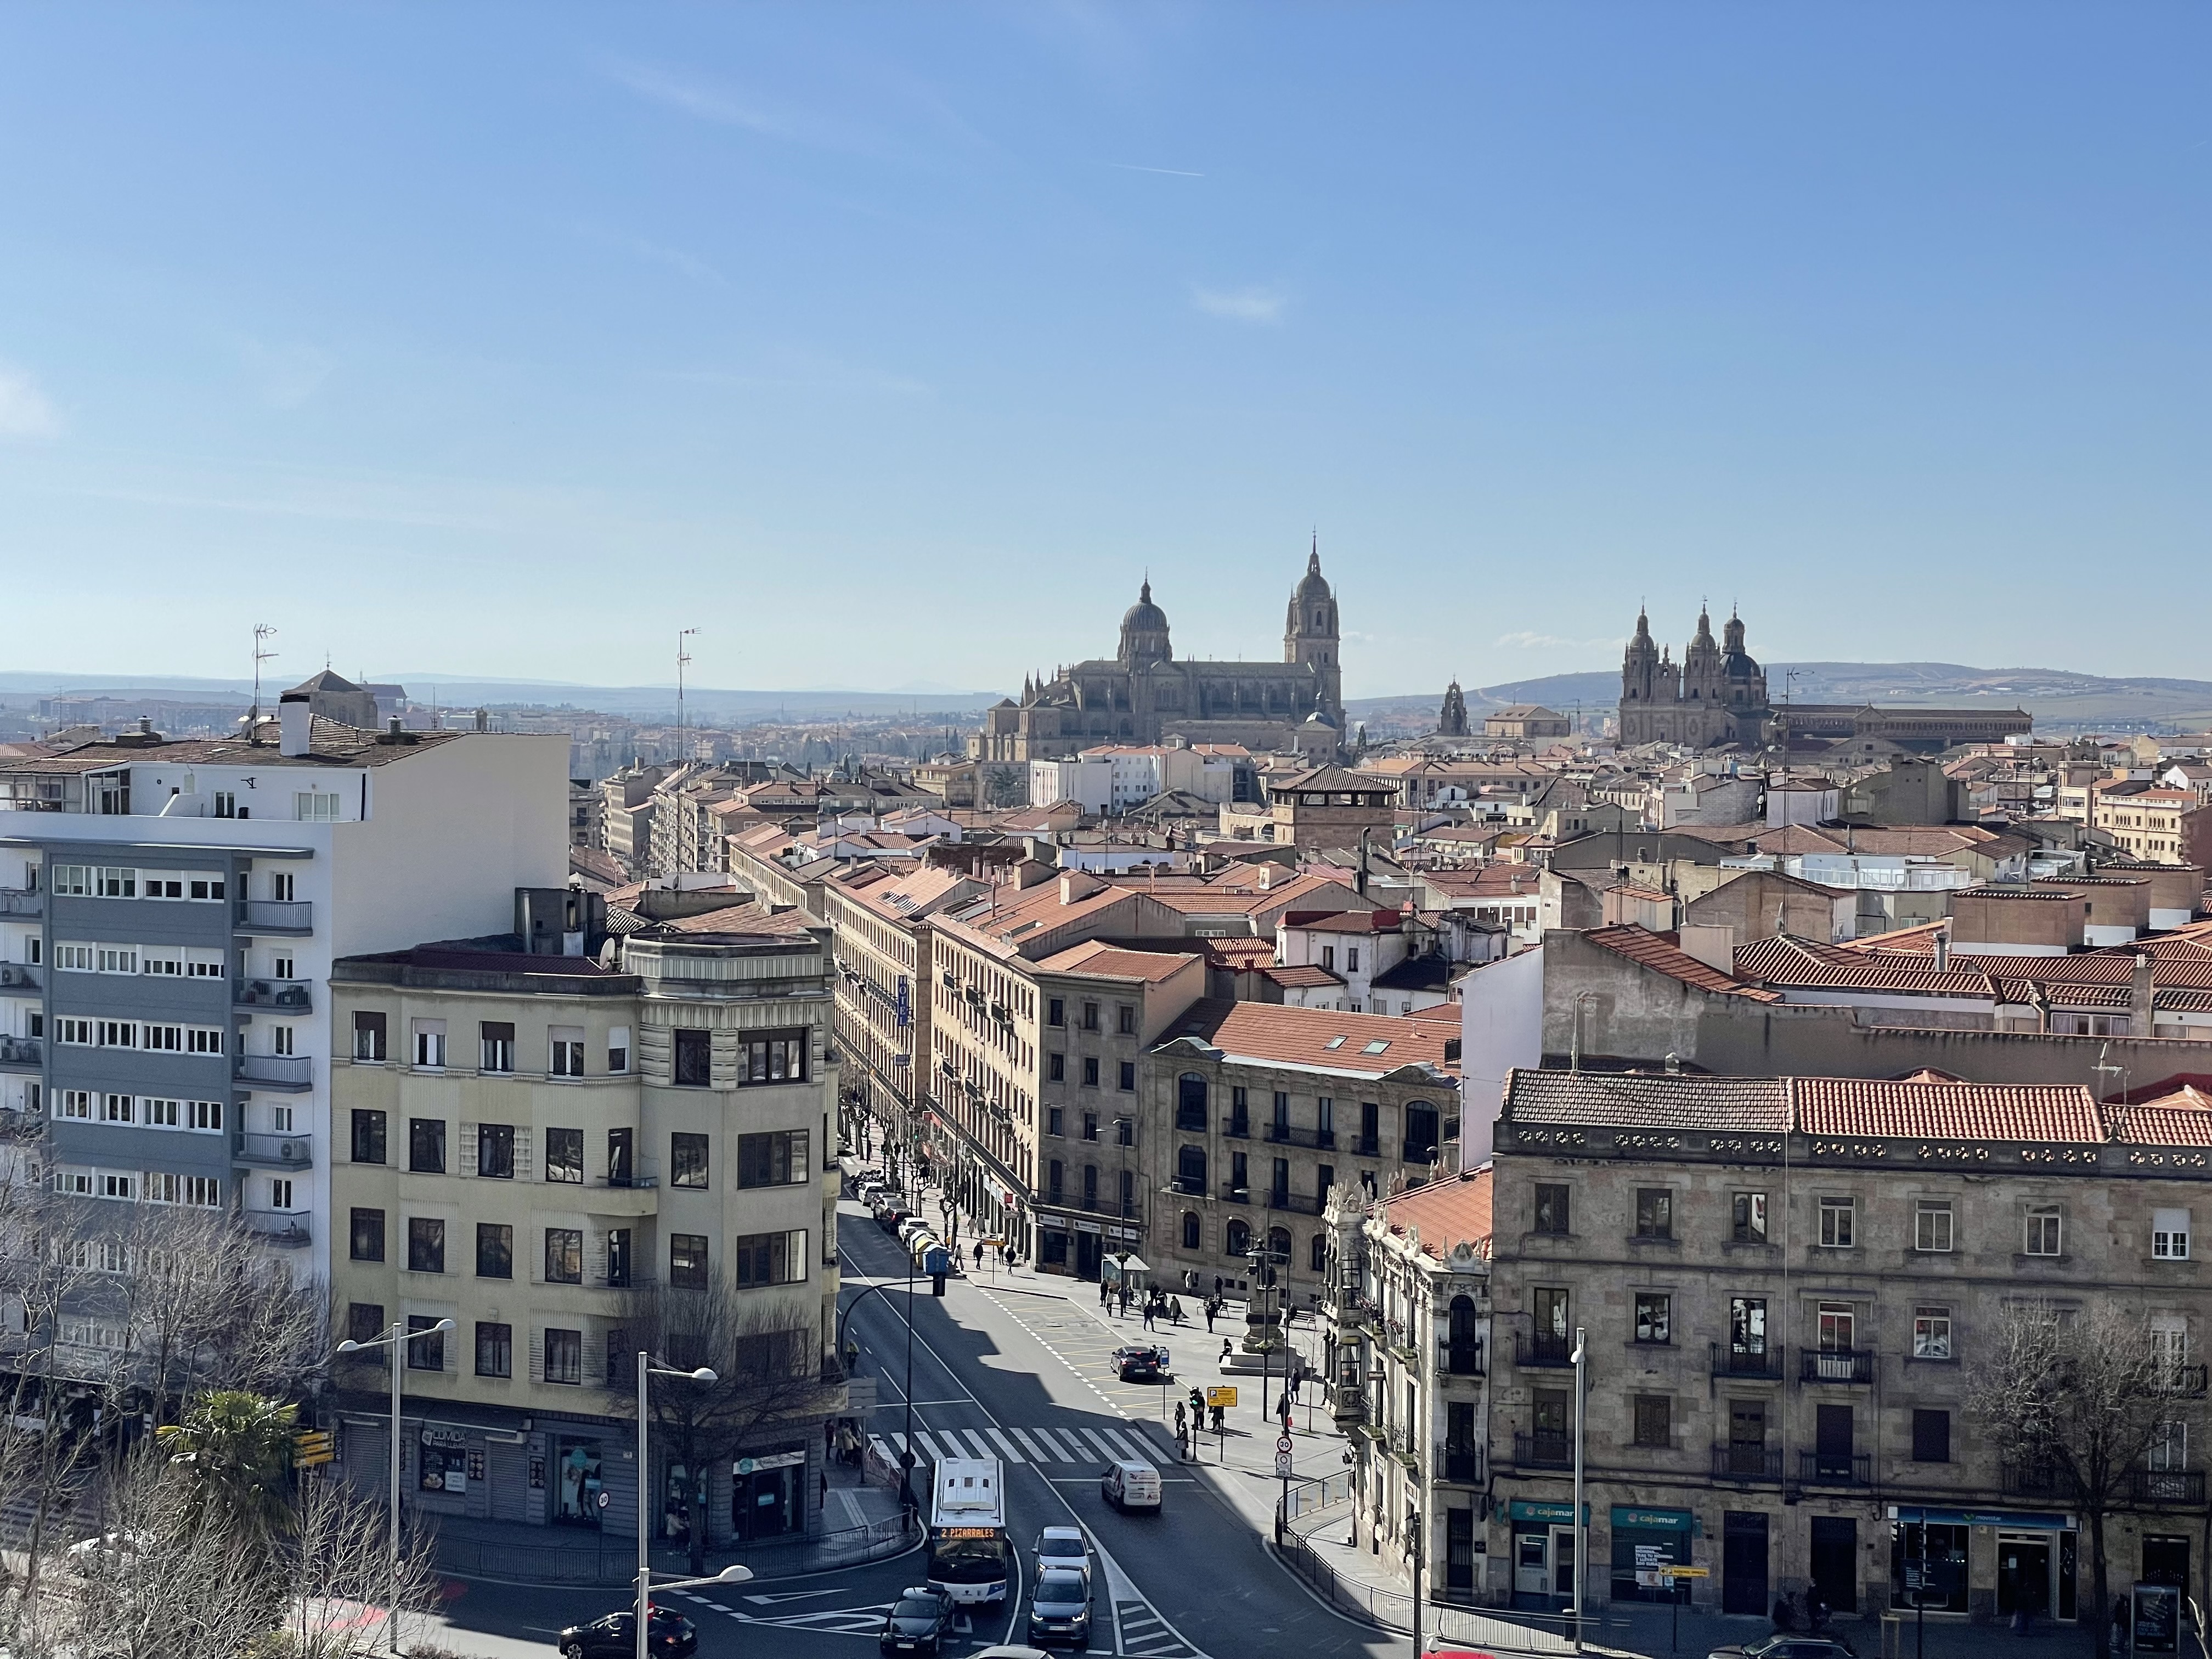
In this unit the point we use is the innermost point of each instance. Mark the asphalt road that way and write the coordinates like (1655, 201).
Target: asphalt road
(1022, 1374)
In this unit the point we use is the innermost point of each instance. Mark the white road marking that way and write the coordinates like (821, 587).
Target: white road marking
(1012, 1455)
(1128, 1450)
(929, 1446)
(1027, 1445)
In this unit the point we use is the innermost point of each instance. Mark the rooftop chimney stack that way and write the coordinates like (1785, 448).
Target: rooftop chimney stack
(295, 723)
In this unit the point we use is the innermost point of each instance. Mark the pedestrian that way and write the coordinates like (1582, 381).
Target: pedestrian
(1209, 1315)
(1217, 1287)
(828, 1436)
(1105, 1292)
(979, 1256)
(1785, 1616)
(825, 1490)
(1174, 1311)
(1225, 1346)
(1125, 1301)
(1182, 1422)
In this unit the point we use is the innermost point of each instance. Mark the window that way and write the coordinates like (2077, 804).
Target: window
(496, 1150)
(1552, 1210)
(695, 1059)
(1090, 1015)
(768, 1259)
(368, 1239)
(426, 1145)
(1931, 1334)
(431, 1044)
(1328, 958)
(1056, 1120)
(117, 959)
(367, 1036)
(1237, 1240)
(2169, 1235)
(564, 1155)
(1835, 1323)
(618, 1049)
(618, 1258)
(1748, 1218)
(1127, 1079)
(310, 806)
(73, 958)
(225, 803)
(1090, 1126)
(1655, 1212)
(1190, 1230)
(282, 885)
(1090, 1070)
(116, 883)
(1056, 1011)
(777, 1159)
(207, 887)
(115, 1033)
(203, 1114)
(494, 1250)
(687, 1260)
(687, 1159)
(565, 1056)
(1128, 1194)
(157, 1113)
(426, 1245)
(495, 1046)
(74, 1031)
(1931, 1437)
(1125, 1019)
(1653, 1311)
(619, 1173)
(1838, 1217)
(280, 1193)
(564, 1256)
(424, 1353)
(494, 1349)
(70, 879)
(1125, 1132)
(1932, 1225)
(1055, 1175)
(564, 1356)
(1055, 1067)
(1748, 1324)
(115, 1109)
(773, 1059)
(206, 1040)
(2043, 1232)
(161, 885)
(1654, 1419)
(364, 1321)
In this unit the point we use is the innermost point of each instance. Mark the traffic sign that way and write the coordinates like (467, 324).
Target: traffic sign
(1687, 1572)
(1282, 1443)
(313, 1447)
(1283, 1465)
(605, 1498)
(1224, 1395)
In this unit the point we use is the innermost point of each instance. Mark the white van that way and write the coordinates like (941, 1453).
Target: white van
(1128, 1485)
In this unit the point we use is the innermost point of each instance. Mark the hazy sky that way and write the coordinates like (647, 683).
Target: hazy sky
(890, 344)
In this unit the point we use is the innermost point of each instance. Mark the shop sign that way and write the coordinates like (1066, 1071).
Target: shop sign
(1522, 1508)
(773, 1461)
(433, 1436)
(1653, 1520)
(1086, 1227)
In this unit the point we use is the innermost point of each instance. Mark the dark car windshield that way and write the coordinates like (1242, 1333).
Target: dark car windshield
(1060, 1590)
(915, 1608)
(1070, 1547)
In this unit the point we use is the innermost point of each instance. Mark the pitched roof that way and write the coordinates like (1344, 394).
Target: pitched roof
(1641, 946)
(749, 920)
(1453, 1209)
(1100, 960)
(1302, 976)
(1874, 1108)
(1317, 1039)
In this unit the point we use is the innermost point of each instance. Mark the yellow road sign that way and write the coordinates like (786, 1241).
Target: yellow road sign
(1222, 1396)
(313, 1447)
(1687, 1572)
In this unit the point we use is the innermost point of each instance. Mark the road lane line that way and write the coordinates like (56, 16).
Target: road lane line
(1013, 1455)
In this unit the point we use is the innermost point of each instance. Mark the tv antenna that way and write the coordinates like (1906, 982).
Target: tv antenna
(683, 657)
(262, 632)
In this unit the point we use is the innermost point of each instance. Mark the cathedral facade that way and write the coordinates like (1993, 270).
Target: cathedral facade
(1716, 697)
(1143, 694)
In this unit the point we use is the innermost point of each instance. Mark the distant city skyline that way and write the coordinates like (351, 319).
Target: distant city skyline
(518, 338)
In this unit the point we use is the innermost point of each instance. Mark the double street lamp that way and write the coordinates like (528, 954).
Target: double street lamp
(396, 1340)
(729, 1575)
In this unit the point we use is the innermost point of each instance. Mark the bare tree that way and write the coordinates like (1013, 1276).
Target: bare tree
(769, 1373)
(2089, 1406)
(1005, 786)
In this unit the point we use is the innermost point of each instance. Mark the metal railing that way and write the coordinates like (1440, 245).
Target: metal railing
(1542, 1348)
(270, 1151)
(1836, 1365)
(1543, 1451)
(1190, 1122)
(18, 976)
(1459, 1359)
(1730, 1361)
(19, 1051)
(1820, 1468)
(2166, 1486)
(293, 1071)
(1460, 1465)
(22, 901)
(288, 1230)
(1235, 1193)
(277, 915)
(293, 993)
(611, 1558)
(2186, 1381)
(1283, 1135)
(1237, 1127)
(1734, 1463)
(1415, 1151)
(1295, 1203)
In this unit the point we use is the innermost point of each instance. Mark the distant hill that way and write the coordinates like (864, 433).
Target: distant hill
(2060, 701)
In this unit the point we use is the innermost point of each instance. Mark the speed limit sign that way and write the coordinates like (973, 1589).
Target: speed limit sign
(1282, 1443)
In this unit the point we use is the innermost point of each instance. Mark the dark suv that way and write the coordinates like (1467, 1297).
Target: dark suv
(668, 1635)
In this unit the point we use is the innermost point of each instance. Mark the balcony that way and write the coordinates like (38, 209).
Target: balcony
(1853, 1366)
(18, 976)
(261, 1151)
(1460, 1465)
(1190, 1122)
(295, 994)
(2036, 1481)
(295, 917)
(1235, 1193)
(2184, 1381)
(1818, 1468)
(1367, 1147)
(1237, 1128)
(1283, 1135)
(20, 1053)
(293, 1074)
(1728, 1361)
(284, 1229)
(1417, 1152)
(1760, 1462)
(1294, 1203)
(1189, 1186)
(2162, 1486)
(1542, 1451)
(26, 903)
(1542, 1348)
(15, 1124)
(1402, 1445)
(1459, 1359)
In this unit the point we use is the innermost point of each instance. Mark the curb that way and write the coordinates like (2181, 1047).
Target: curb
(631, 1584)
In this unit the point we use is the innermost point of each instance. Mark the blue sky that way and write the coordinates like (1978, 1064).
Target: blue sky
(891, 345)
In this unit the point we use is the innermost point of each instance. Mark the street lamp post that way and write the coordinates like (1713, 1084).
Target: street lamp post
(1581, 1530)
(396, 1340)
(646, 1369)
(1414, 1544)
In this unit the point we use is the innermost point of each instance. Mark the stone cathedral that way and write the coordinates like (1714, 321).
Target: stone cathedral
(1143, 694)
(1718, 695)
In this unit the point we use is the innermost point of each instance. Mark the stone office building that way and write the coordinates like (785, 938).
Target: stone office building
(1785, 1285)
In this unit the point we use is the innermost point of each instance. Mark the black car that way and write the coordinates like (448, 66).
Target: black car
(918, 1621)
(1785, 1646)
(668, 1635)
(1060, 1608)
(1140, 1362)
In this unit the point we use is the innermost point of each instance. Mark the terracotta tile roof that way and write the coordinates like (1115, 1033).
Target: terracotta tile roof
(1103, 961)
(1239, 954)
(1965, 1111)
(749, 920)
(1662, 1100)
(1216, 899)
(1344, 921)
(1640, 945)
(1783, 959)
(1453, 1210)
(1316, 1039)
(1302, 976)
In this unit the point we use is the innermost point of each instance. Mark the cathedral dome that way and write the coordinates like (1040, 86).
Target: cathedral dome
(1313, 586)
(1144, 629)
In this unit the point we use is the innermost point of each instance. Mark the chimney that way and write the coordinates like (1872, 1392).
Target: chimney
(1943, 946)
(2142, 1000)
(293, 722)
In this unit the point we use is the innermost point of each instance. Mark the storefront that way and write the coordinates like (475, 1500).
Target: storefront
(1946, 1555)
(1543, 1554)
(1645, 1543)
(1928, 1563)
(768, 1495)
(578, 1493)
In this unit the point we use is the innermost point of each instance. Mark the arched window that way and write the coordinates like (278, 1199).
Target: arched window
(1190, 1170)
(1466, 1350)
(1278, 1244)
(1190, 1230)
(1319, 1263)
(1238, 1240)
(1190, 1102)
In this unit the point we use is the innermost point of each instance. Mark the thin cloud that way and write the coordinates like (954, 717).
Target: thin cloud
(721, 107)
(1170, 173)
(1241, 305)
(24, 412)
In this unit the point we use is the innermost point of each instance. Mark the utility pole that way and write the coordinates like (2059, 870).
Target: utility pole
(261, 654)
(1581, 1529)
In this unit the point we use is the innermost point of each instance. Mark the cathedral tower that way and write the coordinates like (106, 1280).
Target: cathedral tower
(1309, 636)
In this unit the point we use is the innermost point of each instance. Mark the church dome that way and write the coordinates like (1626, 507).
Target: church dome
(1319, 717)
(1144, 631)
(1313, 586)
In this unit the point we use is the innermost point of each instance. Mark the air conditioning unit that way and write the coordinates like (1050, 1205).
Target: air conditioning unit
(292, 1152)
(12, 976)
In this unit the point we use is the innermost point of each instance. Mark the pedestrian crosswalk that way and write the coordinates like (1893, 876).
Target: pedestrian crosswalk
(1059, 1444)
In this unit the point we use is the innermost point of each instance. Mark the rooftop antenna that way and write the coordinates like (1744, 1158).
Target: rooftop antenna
(262, 632)
(681, 657)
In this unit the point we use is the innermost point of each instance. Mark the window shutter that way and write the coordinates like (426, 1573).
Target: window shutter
(465, 1163)
(537, 1354)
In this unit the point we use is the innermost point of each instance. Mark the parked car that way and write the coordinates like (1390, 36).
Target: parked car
(1788, 1647)
(890, 1212)
(1060, 1607)
(1141, 1362)
(1063, 1546)
(1129, 1484)
(918, 1621)
(668, 1635)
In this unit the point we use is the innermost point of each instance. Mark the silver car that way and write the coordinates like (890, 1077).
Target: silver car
(1064, 1547)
